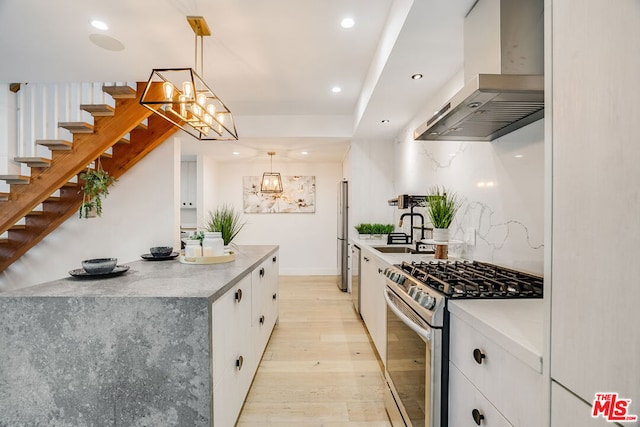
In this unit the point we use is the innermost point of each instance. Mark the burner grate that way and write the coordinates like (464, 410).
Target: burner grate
(474, 279)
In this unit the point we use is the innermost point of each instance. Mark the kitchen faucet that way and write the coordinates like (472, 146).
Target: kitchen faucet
(412, 214)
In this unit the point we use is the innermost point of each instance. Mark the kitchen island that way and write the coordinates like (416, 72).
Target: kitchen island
(136, 349)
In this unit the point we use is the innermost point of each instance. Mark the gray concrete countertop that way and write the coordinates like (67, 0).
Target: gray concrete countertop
(163, 279)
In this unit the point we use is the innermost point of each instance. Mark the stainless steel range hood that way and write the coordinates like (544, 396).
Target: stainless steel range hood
(503, 69)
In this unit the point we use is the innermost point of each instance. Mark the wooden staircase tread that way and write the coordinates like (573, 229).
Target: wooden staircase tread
(142, 126)
(55, 144)
(18, 227)
(52, 199)
(98, 110)
(70, 184)
(76, 127)
(34, 162)
(120, 92)
(4, 240)
(4, 197)
(35, 213)
(106, 155)
(123, 141)
(16, 179)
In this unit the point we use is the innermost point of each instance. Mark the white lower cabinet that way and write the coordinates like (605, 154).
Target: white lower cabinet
(242, 322)
(509, 385)
(469, 407)
(568, 410)
(265, 301)
(373, 308)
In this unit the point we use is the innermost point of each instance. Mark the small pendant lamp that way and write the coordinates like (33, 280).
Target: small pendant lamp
(271, 181)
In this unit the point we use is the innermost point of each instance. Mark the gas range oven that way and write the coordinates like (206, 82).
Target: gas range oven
(417, 293)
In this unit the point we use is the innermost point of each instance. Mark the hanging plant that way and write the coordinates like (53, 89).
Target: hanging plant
(96, 186)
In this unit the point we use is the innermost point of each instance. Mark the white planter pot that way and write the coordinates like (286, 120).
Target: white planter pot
(441, 234)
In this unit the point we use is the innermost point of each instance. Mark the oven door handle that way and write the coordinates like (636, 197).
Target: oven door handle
(423, 333)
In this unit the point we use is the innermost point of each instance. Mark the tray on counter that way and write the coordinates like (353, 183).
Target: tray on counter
(208, 259)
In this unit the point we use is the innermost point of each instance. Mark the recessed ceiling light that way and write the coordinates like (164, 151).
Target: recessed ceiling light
(235, 153)
(385, 121)
(100, 25)
(347, 23)
(518, 156)
(417, 76)
(336, 89)
(304, 153)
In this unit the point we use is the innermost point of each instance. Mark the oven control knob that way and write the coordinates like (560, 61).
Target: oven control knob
(427, 301)
(412, 291)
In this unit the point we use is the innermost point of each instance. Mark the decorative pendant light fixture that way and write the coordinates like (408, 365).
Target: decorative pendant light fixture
(183, 98)
(271, 181)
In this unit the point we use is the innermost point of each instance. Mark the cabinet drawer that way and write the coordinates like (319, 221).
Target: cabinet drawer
(466, 402)
(511, 385)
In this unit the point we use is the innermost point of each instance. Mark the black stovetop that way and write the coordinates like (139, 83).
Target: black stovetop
(474, 279)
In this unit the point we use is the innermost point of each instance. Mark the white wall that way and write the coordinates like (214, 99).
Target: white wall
(142, 210)
(371, 168)
(504, 194)
(308, 241)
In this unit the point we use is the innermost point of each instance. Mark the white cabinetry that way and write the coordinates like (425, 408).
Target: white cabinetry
(242, 322)
(568, 410)
(509, 386)
(264, 304)
(470, 408)
(594, 276)
(373, 308)
(188, 185)
(232, 352)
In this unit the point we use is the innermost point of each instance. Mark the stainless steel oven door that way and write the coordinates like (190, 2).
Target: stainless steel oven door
(414, 361)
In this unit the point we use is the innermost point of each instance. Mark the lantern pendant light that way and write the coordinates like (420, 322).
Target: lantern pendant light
(180, 96)
(271, 181)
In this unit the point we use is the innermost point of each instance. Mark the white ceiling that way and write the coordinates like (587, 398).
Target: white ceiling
(272, 62)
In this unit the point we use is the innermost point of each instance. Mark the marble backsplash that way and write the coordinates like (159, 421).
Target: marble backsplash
(502, 185)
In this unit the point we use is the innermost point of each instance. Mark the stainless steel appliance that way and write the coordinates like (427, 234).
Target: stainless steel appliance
(417, 368)
(505, 37)
(343, 235)
(355, 277)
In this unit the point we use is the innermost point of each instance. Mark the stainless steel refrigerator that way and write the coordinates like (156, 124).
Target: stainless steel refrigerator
(343, 235)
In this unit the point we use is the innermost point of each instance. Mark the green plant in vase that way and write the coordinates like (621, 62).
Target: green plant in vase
(95, 188)
(442, 207)
(226, 220)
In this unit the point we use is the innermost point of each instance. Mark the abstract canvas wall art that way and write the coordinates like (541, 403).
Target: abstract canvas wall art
(298, 195)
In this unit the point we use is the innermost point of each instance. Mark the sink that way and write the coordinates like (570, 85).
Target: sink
(395, 250)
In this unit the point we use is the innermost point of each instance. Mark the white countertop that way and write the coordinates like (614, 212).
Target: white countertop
(515, 325)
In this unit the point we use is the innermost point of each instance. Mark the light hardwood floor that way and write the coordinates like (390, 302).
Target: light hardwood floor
(319, 368)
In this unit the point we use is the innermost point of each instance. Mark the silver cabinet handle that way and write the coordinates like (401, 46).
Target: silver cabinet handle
(239, 295)
(239, 362)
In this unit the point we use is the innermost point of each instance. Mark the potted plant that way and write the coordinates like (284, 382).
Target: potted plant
(225, 220)
(364, 231)
(441, 208)
(95, 187)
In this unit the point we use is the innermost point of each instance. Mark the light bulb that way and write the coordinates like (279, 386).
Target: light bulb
(208, 119)
(167, 87)
(202, 99)
(211, 109)
(183, 106)
(187, 90)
